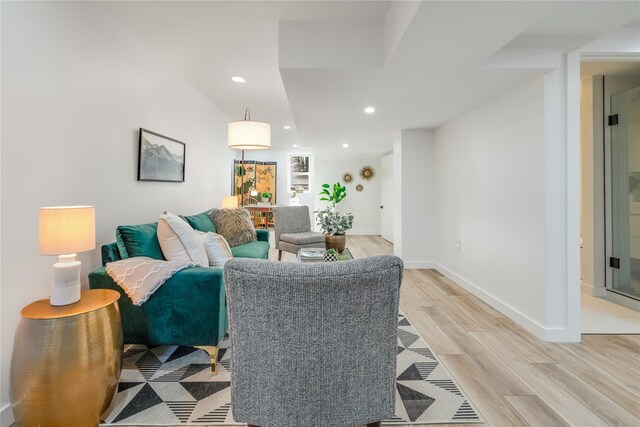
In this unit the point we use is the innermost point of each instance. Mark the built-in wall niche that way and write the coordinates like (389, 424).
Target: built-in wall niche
(299, 173)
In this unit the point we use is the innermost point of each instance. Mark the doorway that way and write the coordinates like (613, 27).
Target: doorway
(610, 196)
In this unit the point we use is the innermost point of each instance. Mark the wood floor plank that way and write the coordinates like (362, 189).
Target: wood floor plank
(502, 379)
(598, 379)
(598, 403)
(494, 407)
(565, 405)
(535, 411)
(438, 342)
(440, 299)
(627, 377)
(526, 345)
(611, 344)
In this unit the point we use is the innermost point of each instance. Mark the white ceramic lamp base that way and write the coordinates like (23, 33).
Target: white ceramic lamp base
(65, 288)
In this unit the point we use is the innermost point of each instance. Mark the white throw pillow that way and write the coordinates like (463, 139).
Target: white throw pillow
(216, 247)
(179, 242)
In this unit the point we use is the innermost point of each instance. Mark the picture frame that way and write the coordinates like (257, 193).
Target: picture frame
(299, 174)
(160, 158)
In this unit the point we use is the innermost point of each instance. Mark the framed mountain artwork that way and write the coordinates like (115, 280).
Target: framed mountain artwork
(160, 158)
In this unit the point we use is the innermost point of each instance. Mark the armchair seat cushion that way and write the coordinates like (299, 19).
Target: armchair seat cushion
(257, 249)
(304, 238)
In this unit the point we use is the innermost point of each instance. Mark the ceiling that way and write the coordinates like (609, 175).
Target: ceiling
(315, 65)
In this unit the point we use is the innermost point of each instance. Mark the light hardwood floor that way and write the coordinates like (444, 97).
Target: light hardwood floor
(513, 378)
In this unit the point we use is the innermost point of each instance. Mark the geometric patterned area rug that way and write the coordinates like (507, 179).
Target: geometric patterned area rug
(172, 385)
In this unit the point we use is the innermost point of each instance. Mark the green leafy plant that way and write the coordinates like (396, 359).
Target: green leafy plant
(332, 222)
(332, 251)
(337, 194)
(266, 195)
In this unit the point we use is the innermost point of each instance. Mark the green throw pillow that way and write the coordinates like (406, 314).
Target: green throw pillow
(201, 222)
(139, 240)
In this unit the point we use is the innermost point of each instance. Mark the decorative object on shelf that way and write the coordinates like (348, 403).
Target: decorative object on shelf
(66, 361)
(160, 158)
(359, 187)
(255, 177)
(229, 202)
(247, 135)
(65, 230)
(337, 194)
(299, 172)
(330, 255)
(265, 196)
(347, 178)
(367, 172)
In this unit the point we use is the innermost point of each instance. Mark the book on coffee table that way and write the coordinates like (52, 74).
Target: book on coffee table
(312, 254)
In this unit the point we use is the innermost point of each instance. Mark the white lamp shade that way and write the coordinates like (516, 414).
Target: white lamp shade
(67, 229)
(249, 135)
(229, 202)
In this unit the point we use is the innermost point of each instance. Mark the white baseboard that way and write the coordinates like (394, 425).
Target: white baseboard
(419, 264)
(6, 416)
(592, 290)
(545, 334)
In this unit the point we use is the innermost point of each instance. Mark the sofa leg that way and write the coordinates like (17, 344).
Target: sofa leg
(212, 351)
(279, 255)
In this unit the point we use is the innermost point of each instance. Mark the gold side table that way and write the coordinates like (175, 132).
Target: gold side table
(66, 361)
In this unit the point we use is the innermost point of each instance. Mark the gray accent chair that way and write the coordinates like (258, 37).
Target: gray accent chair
(313, 344)
(293, 230)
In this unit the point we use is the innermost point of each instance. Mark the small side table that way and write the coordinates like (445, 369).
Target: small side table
(66, 361)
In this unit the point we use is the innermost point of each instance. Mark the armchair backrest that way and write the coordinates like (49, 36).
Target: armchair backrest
(291, 219)
(313, 344)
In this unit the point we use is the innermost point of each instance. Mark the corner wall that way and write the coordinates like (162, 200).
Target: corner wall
(75, 89)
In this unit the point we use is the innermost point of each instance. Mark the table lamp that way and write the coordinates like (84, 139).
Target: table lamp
(65, 230)
(229, 202)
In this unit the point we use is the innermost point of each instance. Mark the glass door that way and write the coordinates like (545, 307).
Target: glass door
(624, 123)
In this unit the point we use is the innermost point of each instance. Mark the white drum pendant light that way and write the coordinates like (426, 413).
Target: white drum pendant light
(249, 135)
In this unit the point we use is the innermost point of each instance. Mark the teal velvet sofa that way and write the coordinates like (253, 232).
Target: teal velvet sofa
(188, 309)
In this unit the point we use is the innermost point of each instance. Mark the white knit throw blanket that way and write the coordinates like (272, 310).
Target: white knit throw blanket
(140, 277)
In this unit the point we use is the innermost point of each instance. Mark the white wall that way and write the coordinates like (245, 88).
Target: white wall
(364, 205)
(413, 213)
(489, 193)
(75, 89)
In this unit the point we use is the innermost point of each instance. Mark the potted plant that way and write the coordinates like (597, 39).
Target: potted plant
(265, 196)
(338, 193)
(334, 225)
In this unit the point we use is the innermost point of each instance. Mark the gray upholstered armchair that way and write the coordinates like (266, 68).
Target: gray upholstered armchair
(313, 344)
(293, 230)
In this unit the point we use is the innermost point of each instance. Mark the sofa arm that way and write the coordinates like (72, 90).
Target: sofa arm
(188, 309)
(262, 235)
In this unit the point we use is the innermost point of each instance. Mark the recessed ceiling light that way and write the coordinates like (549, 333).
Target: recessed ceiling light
(287, 127)
(345, 145)
(369, 110)
(295, 145)
(238, 79)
